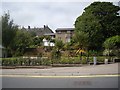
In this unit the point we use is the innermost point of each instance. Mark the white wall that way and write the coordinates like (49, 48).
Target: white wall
(47, 43)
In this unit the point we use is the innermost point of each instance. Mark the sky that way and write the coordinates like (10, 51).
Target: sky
(55, 14)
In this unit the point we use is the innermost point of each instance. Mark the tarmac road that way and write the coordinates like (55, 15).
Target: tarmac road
(98, 76)
(60, 82)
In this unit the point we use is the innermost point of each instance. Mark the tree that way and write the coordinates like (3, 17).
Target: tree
(81, 40)
(59, 44)
(38, 41)
(8, 32)
(100, 21)
(112, 44)
(33, 34)
(21, 41)
(56, 52)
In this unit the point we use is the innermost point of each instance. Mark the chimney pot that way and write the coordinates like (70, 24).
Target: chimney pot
(28, 27)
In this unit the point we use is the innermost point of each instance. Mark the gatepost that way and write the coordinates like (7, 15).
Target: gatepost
(95, 60)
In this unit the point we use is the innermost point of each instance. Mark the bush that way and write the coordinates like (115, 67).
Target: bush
(8, 61)
(46, 61)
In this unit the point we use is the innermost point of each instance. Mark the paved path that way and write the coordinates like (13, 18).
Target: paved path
(66, 71)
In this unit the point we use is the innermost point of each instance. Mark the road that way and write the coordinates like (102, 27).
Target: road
(98, 76)
(60, 82)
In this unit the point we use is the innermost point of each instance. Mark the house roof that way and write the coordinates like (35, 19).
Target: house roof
(50, 34)
(65, 29)
(40, 31)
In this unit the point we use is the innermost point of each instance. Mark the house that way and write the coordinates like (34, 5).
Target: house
(39, 31)
(52, 35)
(47, 42)
(64, 34)
(45, 31)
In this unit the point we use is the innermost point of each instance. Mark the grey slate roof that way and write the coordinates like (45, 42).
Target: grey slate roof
(50, 34)
(65, 29)
(40, 31)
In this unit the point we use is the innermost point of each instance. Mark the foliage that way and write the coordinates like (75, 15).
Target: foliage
(112, 44)
(56, 54)
(19, 61)
(100, 21)
(21, 41)
(81, 39)
(33, 34)
(59, 45)
(14, 40)
(67, 46)
(38, 41)
(8, 31)
(47, 38)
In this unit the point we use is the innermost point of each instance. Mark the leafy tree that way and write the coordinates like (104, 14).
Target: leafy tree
(56, 52)
(67, 46)
(59, 44)
(33, 34)
(47, 38)
(22, 41)
(100, 21)
(81, 40)
(8, 32)
(38, 41)
(113, 43)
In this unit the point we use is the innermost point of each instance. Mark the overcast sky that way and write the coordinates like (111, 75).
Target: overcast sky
(54, 14)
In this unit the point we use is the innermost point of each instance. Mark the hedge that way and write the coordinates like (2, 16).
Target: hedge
(19, 61)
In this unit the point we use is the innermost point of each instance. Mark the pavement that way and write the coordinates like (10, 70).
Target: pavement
(104, 69)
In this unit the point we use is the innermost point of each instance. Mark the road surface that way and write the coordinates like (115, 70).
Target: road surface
(60, 82)
(99, 76)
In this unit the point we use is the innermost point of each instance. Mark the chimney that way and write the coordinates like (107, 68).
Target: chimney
(44, 26)
(28, 27)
